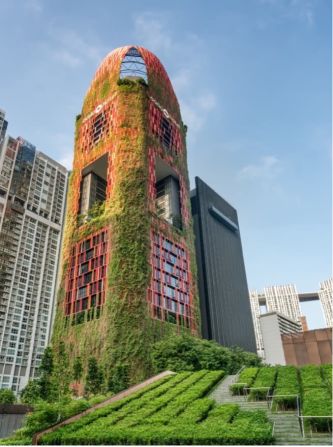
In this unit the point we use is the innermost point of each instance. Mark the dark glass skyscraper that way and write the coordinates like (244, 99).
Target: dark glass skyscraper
(224, 297)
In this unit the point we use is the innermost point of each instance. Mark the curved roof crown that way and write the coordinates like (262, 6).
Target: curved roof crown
(133, 61)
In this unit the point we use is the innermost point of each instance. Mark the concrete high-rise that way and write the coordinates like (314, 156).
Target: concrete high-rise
(282, 299)
(286, 300)
(128, 254)
(272, 326)
(224, 296)
(326, 299)
(3, 127)
(32, 201)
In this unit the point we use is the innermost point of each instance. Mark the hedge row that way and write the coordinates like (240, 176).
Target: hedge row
(245, 380)
(316, 398)
(150, 407)
(326, 371)
(181, 402)
(311, 377)
(245, 433)
(126, 408)
(286, 387)
(148, 392)
(264, 382)
(248, 428)
(178, 415)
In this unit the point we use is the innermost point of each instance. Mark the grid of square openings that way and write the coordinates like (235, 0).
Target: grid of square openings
(170, 290)
(86, 277)
(95, 128)
(164, 129)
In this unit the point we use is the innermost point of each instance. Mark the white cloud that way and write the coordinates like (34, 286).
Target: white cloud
(206, 101)
(297, 10)
(154, 32)
(181, 79)
(151, 29)
(35, 6)
(267, 168)
(67, 58)
(73, 50)
(67, 161)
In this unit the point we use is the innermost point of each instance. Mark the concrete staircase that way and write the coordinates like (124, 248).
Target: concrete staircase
(287, 429)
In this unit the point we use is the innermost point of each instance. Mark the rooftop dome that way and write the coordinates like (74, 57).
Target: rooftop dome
(134, 62)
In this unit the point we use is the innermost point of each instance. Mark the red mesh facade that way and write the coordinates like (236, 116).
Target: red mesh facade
(170, 290)
(100, 129)
(165, 129)
(86, 275)
(96, 127)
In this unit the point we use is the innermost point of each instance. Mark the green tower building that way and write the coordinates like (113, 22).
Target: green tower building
(128, 265)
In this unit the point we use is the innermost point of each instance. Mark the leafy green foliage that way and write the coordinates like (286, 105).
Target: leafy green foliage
(316, 398)
(77, 369)
(31, 393)
(318, 402)
(326, 371)
(60, 377)
(119, 378)
(286, 388)
(186, 353)
(94, 379)
(7, 396)
(174, 411)
(311, 377)
(264, 382)
(46, 365)
(245, 380)
(46, 414)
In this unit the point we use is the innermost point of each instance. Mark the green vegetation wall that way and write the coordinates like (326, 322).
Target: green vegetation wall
(121, 330)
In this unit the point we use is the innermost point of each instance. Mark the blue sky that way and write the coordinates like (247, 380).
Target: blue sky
(254, 82)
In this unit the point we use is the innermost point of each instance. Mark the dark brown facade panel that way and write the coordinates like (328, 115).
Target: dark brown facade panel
(290, 354)
(313, 347)
(301, 354)
(313, 352)
(325, 351)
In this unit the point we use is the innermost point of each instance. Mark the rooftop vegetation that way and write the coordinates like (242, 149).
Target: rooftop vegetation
(175, 411)
(316, 397)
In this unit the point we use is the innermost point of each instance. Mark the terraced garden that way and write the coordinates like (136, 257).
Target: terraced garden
(174, 410)
(309, 386)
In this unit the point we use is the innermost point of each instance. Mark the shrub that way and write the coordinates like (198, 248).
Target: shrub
(264, 383)
(186, 353)
(316, 398)
(31, 393)
(311, 377)
(119, 379)
(7, 397)
(186, 416)
(245, 380)
(318, 402)
(326, 371)
(286, 388)
(94, 379)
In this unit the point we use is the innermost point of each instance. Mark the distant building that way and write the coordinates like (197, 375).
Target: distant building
(3, 127)
(273, 325)
(282, 299)
(286, 300)
(224, 300)
(326, 297)
(32, 201)
(304, 323)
